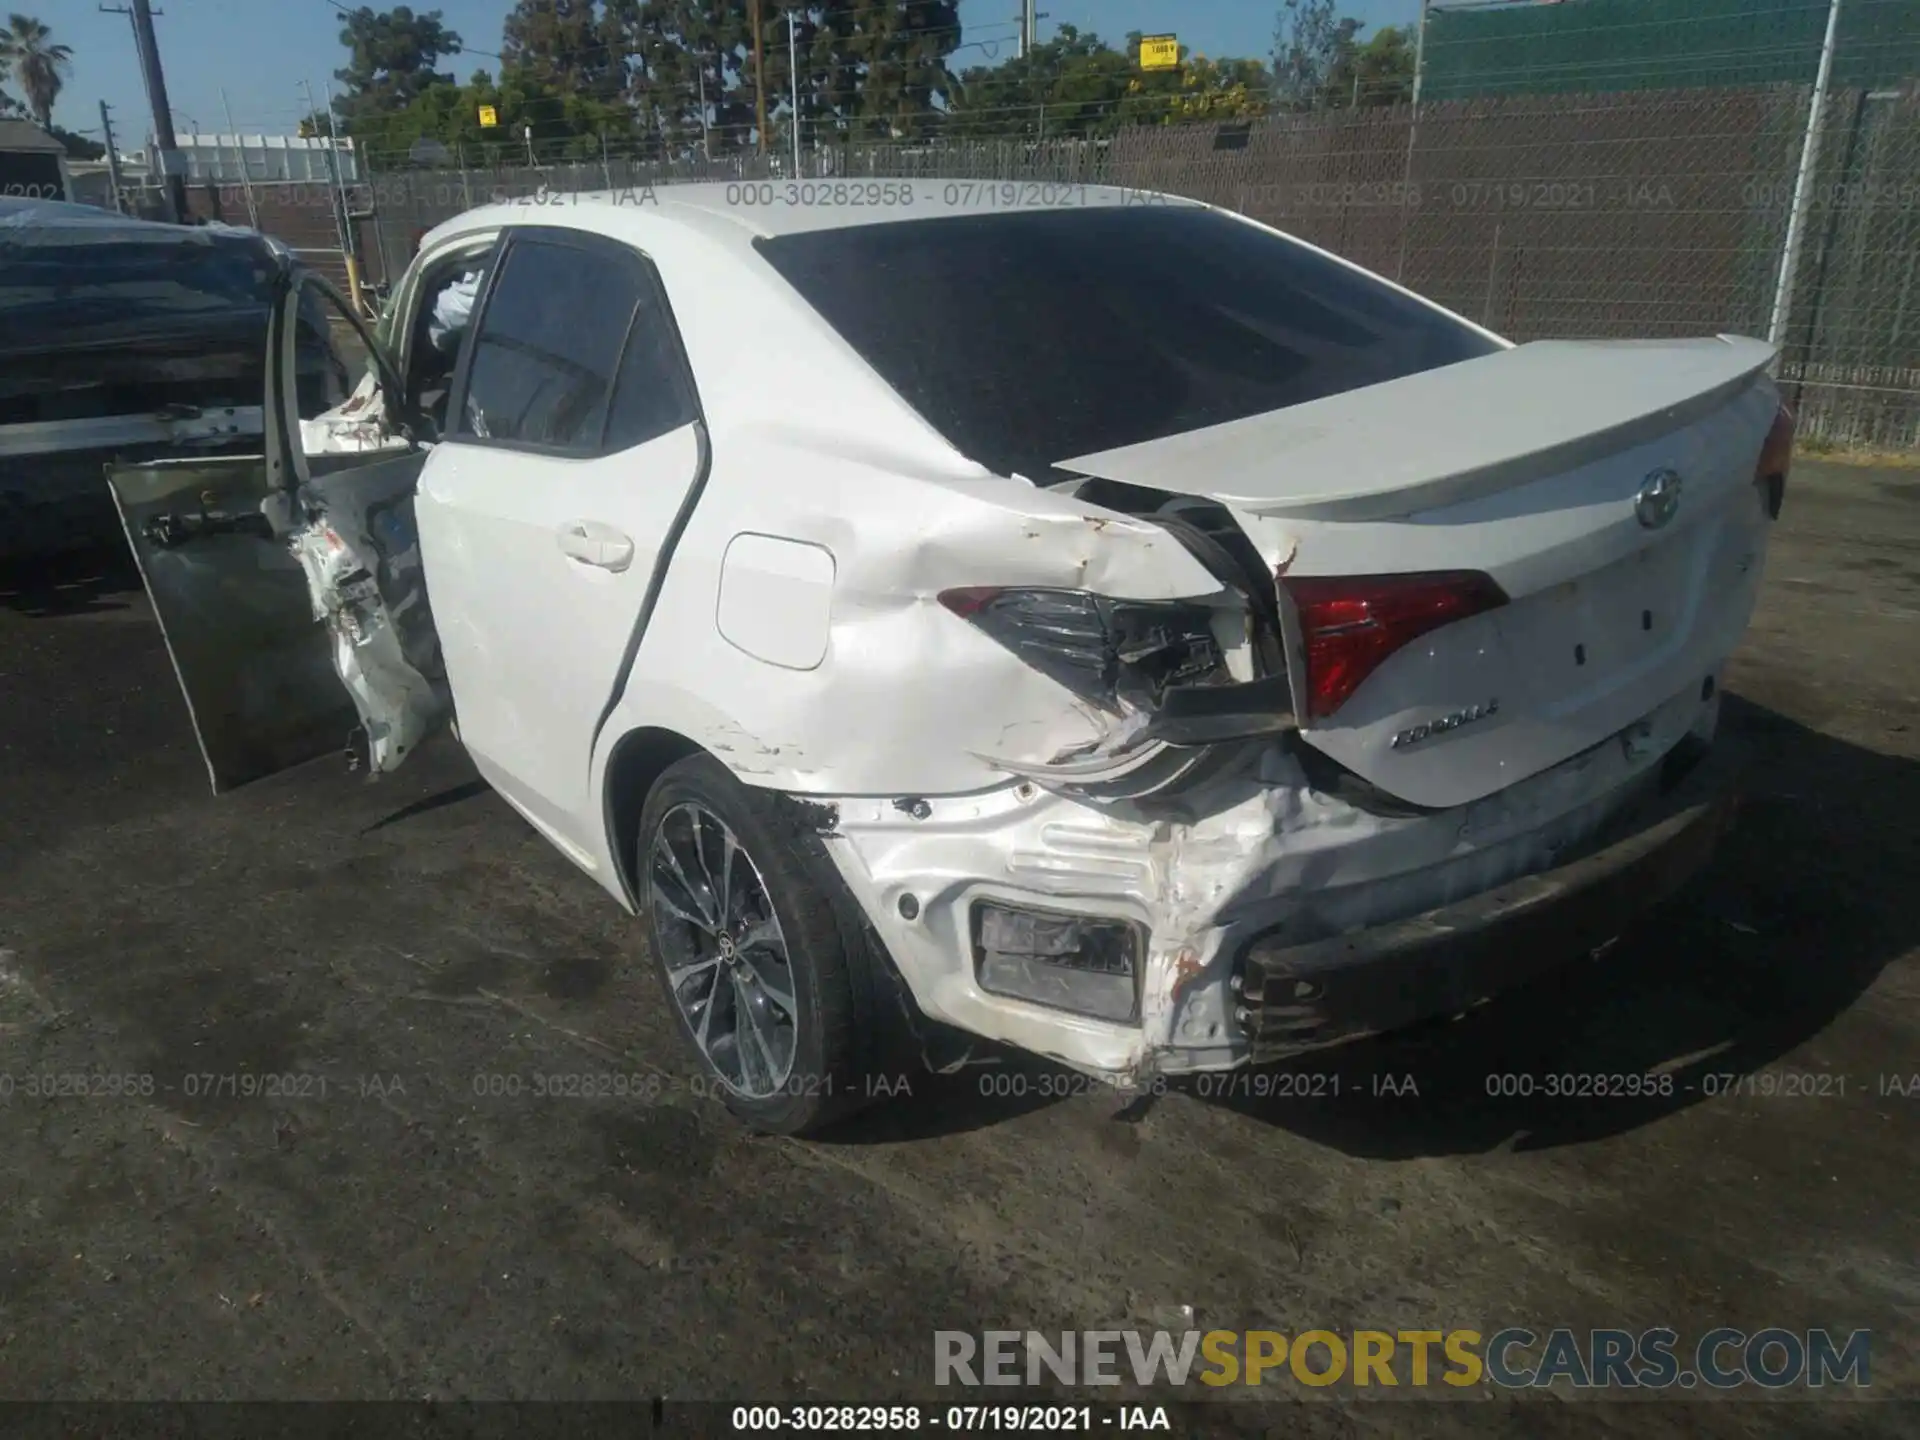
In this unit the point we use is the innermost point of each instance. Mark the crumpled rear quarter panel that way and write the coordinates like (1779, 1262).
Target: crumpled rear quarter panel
(906, 698)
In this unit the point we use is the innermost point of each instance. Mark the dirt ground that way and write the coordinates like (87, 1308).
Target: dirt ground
(417, 951)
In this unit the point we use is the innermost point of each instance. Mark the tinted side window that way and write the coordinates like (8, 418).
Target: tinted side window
(549, 344)
(650, 398)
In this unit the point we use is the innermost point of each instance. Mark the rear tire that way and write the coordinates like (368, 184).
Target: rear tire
(765, 960)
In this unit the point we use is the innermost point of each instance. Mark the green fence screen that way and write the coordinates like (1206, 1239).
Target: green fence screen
(1601, 45)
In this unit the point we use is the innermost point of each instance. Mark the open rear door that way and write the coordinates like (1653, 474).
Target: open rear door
(288, 587)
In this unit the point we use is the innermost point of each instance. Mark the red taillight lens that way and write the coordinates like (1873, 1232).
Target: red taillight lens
(1351, 623)
(1776, 457)
(967, 601)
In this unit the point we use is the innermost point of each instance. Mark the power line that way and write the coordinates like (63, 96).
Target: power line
(140, 14)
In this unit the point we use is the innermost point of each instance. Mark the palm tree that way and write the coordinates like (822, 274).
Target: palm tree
(36, 64)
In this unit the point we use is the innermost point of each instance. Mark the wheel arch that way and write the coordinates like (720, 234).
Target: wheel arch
(638, 759)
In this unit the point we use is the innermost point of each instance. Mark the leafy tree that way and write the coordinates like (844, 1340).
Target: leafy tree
(1218, 90)
(1198, 90)
(879, 66)
(1379, 72)
(565, 124)
(1073, 84)
(675, 52)
(564, 43)
(867, 68)
(1307, 45)
(79, 147)
(1077, 85)
(392, 58)
(39, 65)
(672, 76)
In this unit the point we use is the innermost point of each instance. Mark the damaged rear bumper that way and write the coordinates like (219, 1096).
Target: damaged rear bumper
(1445, 960)
(1222, 898)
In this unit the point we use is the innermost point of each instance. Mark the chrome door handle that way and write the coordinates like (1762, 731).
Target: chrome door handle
(592, 543)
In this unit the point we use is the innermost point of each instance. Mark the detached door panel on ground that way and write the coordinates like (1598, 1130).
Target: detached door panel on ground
(572, 449)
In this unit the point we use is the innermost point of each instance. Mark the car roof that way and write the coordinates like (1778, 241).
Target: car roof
(745, 210)
(58, 222)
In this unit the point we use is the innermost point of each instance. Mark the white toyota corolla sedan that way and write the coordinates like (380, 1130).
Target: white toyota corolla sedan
(1092, 621)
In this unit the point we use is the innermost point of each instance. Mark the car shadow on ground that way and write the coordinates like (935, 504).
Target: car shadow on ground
(1809, 898)
(943, 1082)
(439, 800)
(81, 583)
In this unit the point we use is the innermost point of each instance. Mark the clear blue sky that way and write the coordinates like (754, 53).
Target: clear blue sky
(260, 50)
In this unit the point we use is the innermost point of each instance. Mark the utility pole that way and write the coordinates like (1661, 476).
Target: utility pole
(1803, 185)
(706, 141)
(141, 14)
(1420, 55)
(759, 74)
(240, 153)
(793, 75)
(1413, 135)
(1029, 22)
(123, 10)
(113, 158)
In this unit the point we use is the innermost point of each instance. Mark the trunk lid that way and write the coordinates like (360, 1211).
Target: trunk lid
(1609, 490)
(1443, 435)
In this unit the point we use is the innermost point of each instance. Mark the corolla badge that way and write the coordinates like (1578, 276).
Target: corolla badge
(1446, 724)
(1658, 499)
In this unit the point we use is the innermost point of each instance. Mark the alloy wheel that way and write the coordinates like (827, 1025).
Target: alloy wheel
(725, 955)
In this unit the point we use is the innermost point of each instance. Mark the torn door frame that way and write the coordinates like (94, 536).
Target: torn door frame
(357, 547)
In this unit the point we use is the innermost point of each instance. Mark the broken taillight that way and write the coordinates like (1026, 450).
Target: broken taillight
(1776, 457)
(1119, 654)
(1350, 623)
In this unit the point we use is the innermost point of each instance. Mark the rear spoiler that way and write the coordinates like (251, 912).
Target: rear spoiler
(1446, 435)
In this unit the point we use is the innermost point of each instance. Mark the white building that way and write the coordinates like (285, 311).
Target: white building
(231, 159)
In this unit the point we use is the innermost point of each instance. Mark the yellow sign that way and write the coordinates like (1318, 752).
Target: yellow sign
(489, 117)
(1159, 52)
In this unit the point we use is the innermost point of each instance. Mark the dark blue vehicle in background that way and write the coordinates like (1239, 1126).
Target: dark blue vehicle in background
(121, 341)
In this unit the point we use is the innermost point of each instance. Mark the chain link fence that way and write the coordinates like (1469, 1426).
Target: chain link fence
(1614, 215)
(1851, 349)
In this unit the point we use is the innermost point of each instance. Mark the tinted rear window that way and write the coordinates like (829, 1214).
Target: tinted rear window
(1031, 337)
